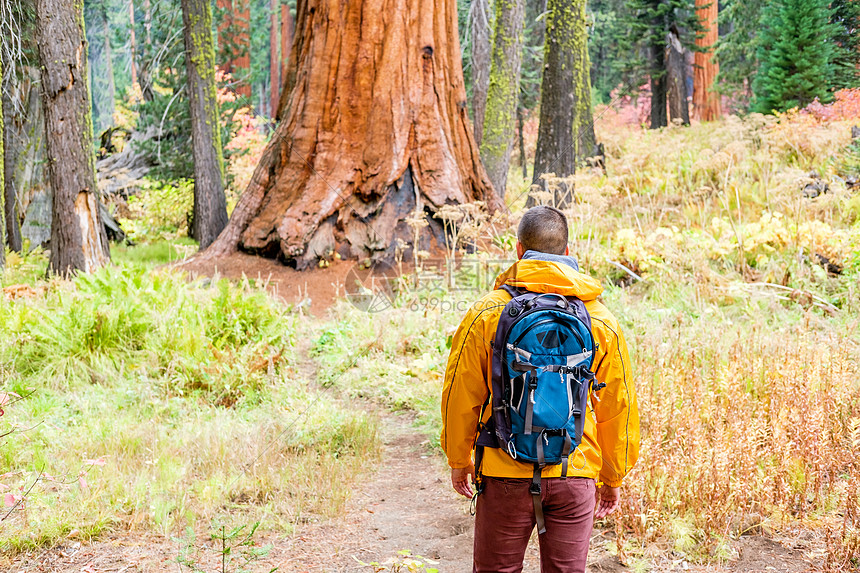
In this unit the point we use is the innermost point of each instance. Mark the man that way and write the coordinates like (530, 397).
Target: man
(505, 514)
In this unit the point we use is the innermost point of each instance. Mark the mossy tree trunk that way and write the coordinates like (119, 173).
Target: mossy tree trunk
(147, 57)
(500, 119)
(7, 163)
(2, 176)
(566, 129)
(132, 43)
(78, 240)
(479, 32)
(210, 204)
(706, 102)
(375, 128)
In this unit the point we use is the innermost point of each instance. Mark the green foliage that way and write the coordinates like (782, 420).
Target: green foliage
(236, 548)
(166, 330)
(180, 401)
(845, 17)
(794, 53)
(167, 115)
(606, 47)
(160, 210)
(736, 48)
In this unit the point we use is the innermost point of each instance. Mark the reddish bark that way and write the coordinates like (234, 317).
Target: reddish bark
(233, 32)
(286, 43)
(274, 64)
(374, 127)
(706, 102)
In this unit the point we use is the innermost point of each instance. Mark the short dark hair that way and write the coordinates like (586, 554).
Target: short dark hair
(544, 229)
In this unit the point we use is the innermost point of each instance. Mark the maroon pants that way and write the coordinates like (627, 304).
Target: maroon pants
(505, 518)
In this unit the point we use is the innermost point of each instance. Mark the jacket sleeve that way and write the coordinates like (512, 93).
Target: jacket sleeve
(615, 409)
(465, 390)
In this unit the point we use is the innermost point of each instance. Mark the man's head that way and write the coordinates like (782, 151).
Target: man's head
(542, 229)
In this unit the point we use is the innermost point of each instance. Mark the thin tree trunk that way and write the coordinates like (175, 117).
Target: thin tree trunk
(2, 176)
(479, 18)
(210, 204)
(100, 65)
(146, 63)
(658, 74)
(503, 94)
(676, 73)
(375, 130)
(274, 63)
(522, 143)
(706, 102)
(108, 55)
(10, 196)
(566, 130)
(8, 158)
(78, 240)
(132, 44)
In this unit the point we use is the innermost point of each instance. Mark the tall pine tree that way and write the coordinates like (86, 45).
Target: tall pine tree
(795, 50)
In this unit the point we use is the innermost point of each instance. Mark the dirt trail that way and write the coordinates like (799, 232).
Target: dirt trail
(406, 505)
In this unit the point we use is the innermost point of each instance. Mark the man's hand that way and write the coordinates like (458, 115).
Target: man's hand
(606, 500)
(461, 479)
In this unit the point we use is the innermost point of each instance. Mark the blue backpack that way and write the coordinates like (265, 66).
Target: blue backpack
(543, 355)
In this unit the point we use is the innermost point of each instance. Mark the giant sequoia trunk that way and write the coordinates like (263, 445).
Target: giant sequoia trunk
(78, 240)
(706, 102)
(375, 128)
(210, 204)
(566, 130)
(479, 21)
(503, 94)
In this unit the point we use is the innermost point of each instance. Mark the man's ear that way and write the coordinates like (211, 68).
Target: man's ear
(521, 250)
(567, 250)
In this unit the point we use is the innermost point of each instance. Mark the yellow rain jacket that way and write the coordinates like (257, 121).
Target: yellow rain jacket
(610, 441)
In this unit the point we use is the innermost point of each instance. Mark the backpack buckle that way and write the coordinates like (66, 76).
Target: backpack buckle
(534, 488)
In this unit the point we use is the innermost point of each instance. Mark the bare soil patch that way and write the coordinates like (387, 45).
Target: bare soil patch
(316, 288)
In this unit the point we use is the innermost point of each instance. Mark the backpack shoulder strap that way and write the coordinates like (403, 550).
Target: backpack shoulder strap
(513, 291)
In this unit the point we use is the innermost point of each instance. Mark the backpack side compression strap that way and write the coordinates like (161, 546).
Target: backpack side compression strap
(534, 489)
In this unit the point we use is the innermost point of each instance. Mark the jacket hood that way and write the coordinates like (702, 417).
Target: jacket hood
(550, 276)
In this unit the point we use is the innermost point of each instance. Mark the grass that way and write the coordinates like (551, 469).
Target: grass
(745, 347)
(152, 402)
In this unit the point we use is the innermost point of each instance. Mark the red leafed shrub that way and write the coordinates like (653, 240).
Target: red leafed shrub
(845, 106)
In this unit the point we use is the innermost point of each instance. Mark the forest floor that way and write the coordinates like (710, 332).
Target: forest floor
(406, 505)
(404, 510)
